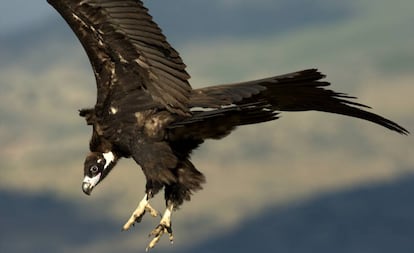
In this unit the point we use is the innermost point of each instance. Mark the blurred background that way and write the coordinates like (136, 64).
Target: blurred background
(309, 182)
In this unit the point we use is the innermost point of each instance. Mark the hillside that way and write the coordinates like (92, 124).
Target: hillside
(376, 218)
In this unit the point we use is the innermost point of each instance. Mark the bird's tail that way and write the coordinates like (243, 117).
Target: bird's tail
(304, 91)
(217, 110)
(299, 91)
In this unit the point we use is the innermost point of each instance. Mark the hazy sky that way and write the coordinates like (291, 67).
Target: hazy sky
(16, 13)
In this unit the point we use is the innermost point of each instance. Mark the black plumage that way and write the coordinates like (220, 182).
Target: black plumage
(147, 110)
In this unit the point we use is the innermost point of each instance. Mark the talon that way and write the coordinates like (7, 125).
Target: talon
(139, 212)
(157, 233)
(163, 228)
(153, 212)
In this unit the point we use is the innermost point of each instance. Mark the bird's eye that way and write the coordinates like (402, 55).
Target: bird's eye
(94, 169)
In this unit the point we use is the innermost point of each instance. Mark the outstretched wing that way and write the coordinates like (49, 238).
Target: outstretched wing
(121, 35)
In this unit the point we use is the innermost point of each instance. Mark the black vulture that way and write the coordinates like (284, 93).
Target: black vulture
(147, 110)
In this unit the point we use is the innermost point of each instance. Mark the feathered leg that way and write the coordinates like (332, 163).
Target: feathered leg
(175, 194)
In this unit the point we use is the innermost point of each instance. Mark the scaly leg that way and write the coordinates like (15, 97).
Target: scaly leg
(162, 228)
(139, 212)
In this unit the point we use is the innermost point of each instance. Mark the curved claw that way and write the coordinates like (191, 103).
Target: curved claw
(153, 212)
(158, 232)
(139, 212)
(163, 228)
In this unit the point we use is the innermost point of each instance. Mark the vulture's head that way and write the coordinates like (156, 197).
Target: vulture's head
(97, 166)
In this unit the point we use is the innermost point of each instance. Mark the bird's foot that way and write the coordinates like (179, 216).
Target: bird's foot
(139, 212)
(163, 228)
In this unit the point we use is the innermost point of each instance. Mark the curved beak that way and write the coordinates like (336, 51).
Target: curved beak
(87, 188)
(89, 183)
